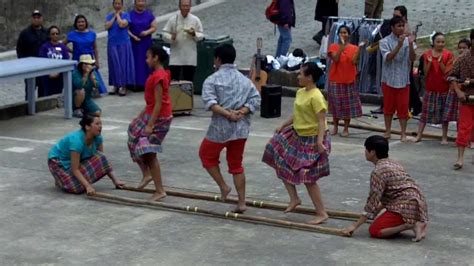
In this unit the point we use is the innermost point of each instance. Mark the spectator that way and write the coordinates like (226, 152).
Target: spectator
(29, 43)
(398, 54)
(119, 50)
(83, 42)
(286, 21)
(324, 9)
(84, 83)
(142, 26)
(343, 95)
(182, 32)
(54, 49)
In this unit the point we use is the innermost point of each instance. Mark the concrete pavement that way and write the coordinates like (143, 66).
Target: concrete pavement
(41, 225)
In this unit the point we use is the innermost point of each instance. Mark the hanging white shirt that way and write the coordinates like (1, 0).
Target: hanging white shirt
(183, 49)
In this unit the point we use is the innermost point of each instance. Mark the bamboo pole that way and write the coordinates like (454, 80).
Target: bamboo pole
(251, 203)
(394, 131)
(227, 215)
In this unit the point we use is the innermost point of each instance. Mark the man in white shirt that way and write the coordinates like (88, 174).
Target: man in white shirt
(182, 31)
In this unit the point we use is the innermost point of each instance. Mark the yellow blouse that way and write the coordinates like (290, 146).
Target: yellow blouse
(305, 111)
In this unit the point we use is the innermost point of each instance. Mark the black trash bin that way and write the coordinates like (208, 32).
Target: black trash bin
(271, 101)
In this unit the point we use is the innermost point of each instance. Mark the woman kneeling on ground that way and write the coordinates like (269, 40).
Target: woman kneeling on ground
(84, 82)
(392, 189)
(77, 160)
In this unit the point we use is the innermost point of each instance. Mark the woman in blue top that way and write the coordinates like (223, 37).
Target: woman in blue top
(84, 42)
(77, 160)
(119, 50)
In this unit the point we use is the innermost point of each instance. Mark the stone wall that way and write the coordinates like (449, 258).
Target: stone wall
(15, 14)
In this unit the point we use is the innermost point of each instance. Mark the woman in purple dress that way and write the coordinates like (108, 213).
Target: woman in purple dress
(141, 27)
(54, 49)
(119, 49)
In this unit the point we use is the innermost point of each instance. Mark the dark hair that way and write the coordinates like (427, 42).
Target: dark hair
(396, 20)
(161, 53)
(378, 144)
(466, 42)
(226, 53)
(472, 35)
(438, 33)
(403, 10)
(87, 120)
(53, 27)
(312, 69)
(113, 2)
(344, 27)
(77, 19)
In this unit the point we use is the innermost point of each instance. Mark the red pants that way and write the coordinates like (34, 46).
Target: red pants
(465, 125)
(396, 100)
(386, 220)
(209, 152)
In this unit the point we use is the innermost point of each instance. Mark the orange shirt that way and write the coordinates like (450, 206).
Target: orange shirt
(162, 77)
(343, 71)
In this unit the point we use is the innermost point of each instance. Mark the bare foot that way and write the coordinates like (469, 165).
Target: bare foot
(444, 142)
(119, 184)
(403, 138)
(240, 209)
(387, 136)
(420, 231)
(345, 134)
(415, 140)
(458, 165)
(292, 206)
(224, 193)
(334, 131)
(144, 182)
(157, 196)
(319, 219)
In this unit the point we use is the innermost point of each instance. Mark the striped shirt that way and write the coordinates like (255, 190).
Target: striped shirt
(232, 90)
(395, 73)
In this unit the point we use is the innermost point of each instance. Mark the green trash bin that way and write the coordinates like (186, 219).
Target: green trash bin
(205, 59)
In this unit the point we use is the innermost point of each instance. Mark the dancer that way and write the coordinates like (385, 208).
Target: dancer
(437, 87)
(148, 130)
(300, 148)
(392, 189)
(232, 98)
(462, 80)
(77, 161)
(343, 95)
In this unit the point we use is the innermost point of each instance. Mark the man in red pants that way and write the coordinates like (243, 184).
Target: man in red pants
(463, 71)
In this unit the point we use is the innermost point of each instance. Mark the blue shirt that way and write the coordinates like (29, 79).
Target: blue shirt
(117, 35)
(74, 141)
(232, 90)
(82, 43)
(395, 73)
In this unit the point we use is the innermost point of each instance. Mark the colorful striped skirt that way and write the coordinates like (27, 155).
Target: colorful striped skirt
(139, 144)
(451, 108)
(344, 101)
(295, 158)
(93, 169)
(433, 107)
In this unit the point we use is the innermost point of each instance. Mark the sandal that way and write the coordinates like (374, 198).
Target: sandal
(122, 91)
(457, 166)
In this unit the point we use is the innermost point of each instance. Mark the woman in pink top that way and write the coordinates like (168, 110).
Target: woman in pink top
(147, 131)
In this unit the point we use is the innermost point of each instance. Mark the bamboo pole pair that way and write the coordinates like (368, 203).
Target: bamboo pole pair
(252, 203)
(394, 131)
(227, 215)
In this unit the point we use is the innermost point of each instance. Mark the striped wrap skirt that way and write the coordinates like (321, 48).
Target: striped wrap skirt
(139, 144)
(344, 101)
(93, 169)
(433, 107)
(451, 108)
(295, 158)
